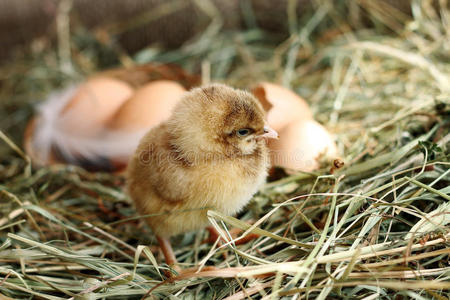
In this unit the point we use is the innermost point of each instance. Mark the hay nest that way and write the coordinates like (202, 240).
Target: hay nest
(376, 227)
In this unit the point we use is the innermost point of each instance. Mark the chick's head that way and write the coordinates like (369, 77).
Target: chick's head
(218, 119)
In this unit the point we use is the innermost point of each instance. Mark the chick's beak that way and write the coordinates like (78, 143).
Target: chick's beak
(269, 133)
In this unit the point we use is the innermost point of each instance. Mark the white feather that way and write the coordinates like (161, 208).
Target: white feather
(50, 132)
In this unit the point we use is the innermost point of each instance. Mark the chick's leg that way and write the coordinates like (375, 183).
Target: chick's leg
(167, 250)
(214, 235)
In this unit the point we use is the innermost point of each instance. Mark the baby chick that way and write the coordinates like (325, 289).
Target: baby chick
(210, 154)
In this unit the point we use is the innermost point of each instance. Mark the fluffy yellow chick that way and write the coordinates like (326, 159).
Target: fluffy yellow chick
(210, 154)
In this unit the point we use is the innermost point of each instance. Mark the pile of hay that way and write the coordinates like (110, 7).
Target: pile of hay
(376, 227)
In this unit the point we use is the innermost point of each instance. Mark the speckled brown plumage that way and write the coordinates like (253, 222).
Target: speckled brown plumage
(198, 160)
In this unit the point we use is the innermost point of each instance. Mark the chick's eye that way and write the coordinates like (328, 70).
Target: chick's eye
(243, 132)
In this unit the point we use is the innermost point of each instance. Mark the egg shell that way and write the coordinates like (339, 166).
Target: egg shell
(300, 145)
(28, 138)
(93, 105)
(282, 105)
(30, 148)
(149, 106)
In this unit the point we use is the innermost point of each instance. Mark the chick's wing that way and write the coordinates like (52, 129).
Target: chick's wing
(162, 171)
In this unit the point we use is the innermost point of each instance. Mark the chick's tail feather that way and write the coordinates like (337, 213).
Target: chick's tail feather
(50, 140)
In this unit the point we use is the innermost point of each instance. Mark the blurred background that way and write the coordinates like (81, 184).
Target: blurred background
(136, 24)
(48, 44)
(326, 51)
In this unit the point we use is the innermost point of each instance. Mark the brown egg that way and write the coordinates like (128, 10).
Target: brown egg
(300, 145)
(150, 105)
(93, 105)
(282, 105)
(75, 125)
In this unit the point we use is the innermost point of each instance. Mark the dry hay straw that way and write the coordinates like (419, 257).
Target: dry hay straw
(377, 227)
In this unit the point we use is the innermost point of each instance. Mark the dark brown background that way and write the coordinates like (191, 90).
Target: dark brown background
(167, 22)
